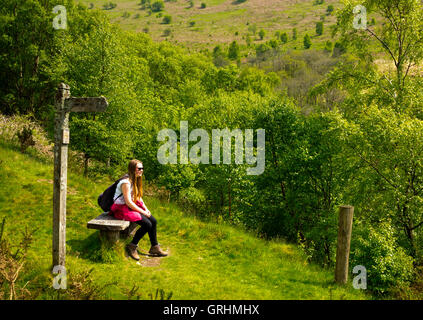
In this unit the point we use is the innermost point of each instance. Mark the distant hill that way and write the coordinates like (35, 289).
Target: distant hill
(223, 21)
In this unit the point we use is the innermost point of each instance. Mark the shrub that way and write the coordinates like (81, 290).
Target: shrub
(26, 138)
(233, 51)
(109, 6)
(167, 19)
(294, 34)
(386, 263)
(307, 42)
(203, 5)
(284, 37)
(192, 198)
(157, 6)
(319, 28)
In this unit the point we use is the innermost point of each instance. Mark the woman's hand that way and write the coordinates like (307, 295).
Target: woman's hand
(147, 213)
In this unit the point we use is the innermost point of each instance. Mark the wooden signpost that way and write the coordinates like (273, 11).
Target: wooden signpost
(64, 105)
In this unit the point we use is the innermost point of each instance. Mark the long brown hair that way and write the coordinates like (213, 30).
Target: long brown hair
(136, 182)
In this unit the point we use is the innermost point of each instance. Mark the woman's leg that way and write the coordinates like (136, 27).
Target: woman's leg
(147, 225)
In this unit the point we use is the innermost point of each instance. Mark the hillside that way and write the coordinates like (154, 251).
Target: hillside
(223, 21)
(208, 260)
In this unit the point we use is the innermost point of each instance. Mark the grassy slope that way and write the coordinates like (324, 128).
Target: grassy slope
(207, 260)
(218, 22)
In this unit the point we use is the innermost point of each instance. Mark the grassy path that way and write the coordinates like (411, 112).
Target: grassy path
(207, 260)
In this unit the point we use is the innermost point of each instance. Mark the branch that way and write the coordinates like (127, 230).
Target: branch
(377, 171)
(415, 227)
(383, 44)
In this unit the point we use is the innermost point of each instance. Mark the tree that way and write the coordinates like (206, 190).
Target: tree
(233, 51)
(27, 84)
(319, 28)
(284, 37)
(400, 36)
(261, 34)
(167, 19)
(157, 6)
(307, 42)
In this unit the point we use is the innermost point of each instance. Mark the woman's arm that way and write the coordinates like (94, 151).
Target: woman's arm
(129, 202)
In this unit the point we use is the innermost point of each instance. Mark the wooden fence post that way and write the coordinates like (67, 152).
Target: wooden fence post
(344, 240)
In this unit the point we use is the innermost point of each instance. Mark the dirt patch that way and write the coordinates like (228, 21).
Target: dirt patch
(146, 260)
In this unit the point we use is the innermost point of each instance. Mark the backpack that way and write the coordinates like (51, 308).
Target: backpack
(105, 200)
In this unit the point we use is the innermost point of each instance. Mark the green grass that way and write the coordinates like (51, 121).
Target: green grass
(207, 260)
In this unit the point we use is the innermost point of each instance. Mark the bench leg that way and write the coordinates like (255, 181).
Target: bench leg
(130, 231)
(111, 236)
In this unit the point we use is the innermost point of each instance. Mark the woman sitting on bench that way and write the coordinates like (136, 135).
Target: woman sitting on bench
(129, 206)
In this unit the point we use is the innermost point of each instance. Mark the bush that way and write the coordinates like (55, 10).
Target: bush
(167, 19)
(307, 42)
(109, 6)
(387, 264)
(319, 28)
(26, 138)
(192, 198)
(284, 37)
(157, 6)
(203, 5)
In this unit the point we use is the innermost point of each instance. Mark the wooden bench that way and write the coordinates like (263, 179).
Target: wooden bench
(112, 229)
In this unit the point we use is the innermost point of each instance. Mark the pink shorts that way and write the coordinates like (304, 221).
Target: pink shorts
(123, 212)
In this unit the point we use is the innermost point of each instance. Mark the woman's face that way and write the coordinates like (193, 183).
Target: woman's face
(139, 169)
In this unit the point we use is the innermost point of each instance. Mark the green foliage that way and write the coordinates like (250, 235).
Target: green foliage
(294, 34)
(329, 47)
(387, 264)
(284, 37)
(307, 42)
(26, 138)
(167, 19)
(261, 34)
(109, 6)
(157, 6)
(398, 37)
(233, 51)
(319, 28)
